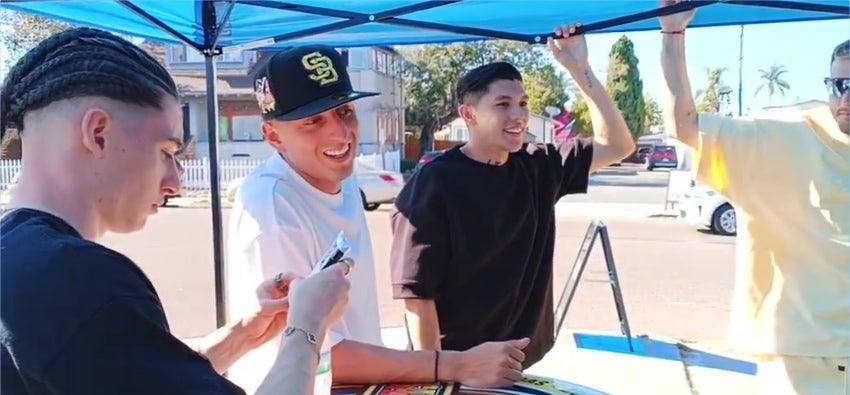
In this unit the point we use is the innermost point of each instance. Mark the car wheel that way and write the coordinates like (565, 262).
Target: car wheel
(366, 205)
(723, 221)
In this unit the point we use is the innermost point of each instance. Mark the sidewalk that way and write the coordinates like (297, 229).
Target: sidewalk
(611, 210)
(562, 209)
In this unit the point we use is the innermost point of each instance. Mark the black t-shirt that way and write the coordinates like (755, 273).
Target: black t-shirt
(479, 240)
(79, 318)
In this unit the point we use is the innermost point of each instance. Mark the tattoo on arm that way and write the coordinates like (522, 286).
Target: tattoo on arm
(587, 77)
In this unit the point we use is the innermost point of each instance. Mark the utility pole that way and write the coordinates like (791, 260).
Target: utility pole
(741, 72)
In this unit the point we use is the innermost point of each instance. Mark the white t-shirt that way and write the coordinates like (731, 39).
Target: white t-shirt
(281, 223)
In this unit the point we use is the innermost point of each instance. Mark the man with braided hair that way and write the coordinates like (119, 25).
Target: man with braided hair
(100, 125)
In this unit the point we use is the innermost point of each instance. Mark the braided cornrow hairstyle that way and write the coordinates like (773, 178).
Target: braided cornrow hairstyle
(82, 62)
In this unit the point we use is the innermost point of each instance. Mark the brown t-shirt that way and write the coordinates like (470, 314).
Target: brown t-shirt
(479, 240)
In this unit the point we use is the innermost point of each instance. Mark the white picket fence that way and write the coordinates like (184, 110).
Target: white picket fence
(196, 176)
(8, 170)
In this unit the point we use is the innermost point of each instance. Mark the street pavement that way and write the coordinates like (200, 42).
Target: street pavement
(625, 184)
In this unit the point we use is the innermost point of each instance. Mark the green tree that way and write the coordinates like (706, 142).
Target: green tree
(25, 31)
(431, 74)
(581, 114)
(773, 81)
(28, 30)
(654, 116)
(625, 86)
(546, 86)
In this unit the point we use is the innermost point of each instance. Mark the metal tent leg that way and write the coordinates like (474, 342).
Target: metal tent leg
(596, 229)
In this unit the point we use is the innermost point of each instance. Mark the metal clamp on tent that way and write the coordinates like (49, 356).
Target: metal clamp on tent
(214, 26)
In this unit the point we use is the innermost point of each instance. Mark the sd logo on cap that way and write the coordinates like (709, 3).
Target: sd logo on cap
(301, 82)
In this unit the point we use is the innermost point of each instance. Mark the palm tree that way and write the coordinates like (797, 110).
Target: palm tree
(773, 81)
(716, 94)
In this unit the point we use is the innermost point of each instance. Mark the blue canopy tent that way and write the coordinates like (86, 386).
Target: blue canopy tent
(212, 27)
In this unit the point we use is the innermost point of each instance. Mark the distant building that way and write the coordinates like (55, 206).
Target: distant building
(540, 129)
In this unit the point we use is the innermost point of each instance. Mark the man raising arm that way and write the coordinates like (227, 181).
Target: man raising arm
(612, 140)
(788, 177)
(473, 233)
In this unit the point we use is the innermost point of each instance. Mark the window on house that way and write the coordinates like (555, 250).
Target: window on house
(195, 56)
(392, 129)
(247, 128)
(398, 66)
(459, 134)
(381, 61)
(223, 128)
(184, 54)
(381, 128)
(358, 58)
(176, 54)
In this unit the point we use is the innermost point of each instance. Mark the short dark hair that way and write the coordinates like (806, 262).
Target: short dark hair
(82, 62)
(841, 51)
(475, 83)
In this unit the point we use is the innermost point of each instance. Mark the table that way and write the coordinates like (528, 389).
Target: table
(530, 385)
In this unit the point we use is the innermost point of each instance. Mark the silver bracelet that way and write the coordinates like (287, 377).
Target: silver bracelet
(310, 336)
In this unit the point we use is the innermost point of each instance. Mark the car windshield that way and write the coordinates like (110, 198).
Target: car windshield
(665, 148)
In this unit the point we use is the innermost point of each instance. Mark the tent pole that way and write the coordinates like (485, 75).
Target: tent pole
(741, 72)
(215, 188)
(208, 17)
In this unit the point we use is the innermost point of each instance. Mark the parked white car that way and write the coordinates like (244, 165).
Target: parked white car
(377, 186)
(702, 206)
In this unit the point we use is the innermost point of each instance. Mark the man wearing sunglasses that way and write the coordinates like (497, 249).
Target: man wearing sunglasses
(789, 180)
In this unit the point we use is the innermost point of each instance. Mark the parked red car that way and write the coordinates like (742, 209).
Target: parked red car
(663, 156)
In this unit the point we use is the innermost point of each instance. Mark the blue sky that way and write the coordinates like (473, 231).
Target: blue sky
(803, 48)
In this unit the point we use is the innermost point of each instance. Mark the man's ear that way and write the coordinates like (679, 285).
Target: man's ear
(467, 113)
(95, 127)
(272, 136)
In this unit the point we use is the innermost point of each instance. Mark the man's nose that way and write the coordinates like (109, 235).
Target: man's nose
(173, 178)
(518, 112)
(339, 128)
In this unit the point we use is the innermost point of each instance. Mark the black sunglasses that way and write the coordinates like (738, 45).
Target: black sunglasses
(837, 86)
